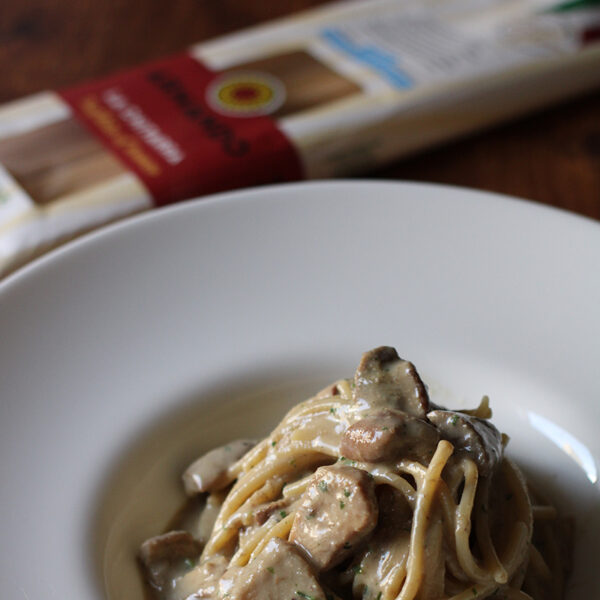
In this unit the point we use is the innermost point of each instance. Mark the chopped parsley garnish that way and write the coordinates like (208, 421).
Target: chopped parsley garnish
(271, 570)
(282, 514)
(323, 485)
(342, 504)
(474, 590)
(379, 596)
(332, 410)
(305, 595)
(357, 569)
(273, 443)
(454, 420)
(347, 493)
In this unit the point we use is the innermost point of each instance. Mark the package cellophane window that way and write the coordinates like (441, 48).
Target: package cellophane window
(331, 92)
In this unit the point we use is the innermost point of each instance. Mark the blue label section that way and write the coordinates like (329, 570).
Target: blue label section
(382, 62)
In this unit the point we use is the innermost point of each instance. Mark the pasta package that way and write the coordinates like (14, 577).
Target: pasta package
(331, 92)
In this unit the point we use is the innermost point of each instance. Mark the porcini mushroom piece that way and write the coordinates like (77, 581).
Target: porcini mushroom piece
(384, 379)
(210, 472)
(389, 435)
(163, 555)
(337, 512)
(202, 582)
(477, 438)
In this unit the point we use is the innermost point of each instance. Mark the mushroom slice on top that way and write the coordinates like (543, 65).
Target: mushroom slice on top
(384, 379)
(477, 438)
(389, 435)
(337, 512)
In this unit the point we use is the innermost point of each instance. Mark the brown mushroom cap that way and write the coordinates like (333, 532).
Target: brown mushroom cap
(160, 554)
(384, 379)
(477, 438)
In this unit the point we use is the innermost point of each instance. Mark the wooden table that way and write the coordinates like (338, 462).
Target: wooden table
(552, 157)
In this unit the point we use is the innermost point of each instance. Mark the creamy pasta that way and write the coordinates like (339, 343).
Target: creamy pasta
(367, 490)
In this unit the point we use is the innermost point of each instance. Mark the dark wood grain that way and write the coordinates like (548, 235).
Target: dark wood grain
(552, 157)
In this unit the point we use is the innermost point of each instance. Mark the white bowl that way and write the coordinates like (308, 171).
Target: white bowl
(125, 354)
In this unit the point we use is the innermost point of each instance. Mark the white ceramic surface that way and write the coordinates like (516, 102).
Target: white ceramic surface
(125, 353)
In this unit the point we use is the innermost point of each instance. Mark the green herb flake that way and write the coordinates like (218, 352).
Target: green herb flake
(189, 563)
(293, 462)
(305, 595)
(271, 570)
(347, 493)
(332, 410)
(273, 443)
(342, 504)
(454, 420)
(282, 514)
(323, 485)
(379, 596)
(474, 590)
(357, 569)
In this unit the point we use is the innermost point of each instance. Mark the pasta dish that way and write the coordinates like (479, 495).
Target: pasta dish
(366, 491)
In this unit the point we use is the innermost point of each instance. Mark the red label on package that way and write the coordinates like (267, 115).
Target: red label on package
(186, 130)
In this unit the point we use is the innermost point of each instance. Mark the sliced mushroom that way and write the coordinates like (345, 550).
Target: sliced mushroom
(384, 379)
(279, 572)
(210, 472)
(389, 435)
(477, 438)
(164, 556)
(337, 512)
(202, 581)
(263, 512)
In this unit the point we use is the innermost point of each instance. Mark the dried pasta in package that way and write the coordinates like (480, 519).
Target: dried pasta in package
(330, 92)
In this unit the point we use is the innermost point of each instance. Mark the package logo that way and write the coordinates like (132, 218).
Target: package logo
(245, 94)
